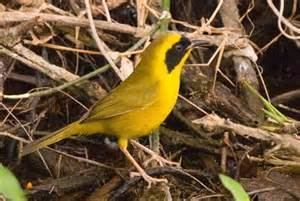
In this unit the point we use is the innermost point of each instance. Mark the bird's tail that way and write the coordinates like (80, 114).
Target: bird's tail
(63, 133)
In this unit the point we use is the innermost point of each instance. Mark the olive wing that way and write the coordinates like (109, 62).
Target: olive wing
(122, 100)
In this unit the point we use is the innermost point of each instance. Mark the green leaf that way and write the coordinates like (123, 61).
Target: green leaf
(235, 188)
(9, 186)
(270, 111)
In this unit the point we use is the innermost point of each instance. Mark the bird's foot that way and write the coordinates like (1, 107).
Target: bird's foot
(155, 156)
(148, 178)
(161, 161)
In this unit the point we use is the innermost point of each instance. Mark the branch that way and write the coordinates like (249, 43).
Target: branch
(57, 73)
(15, 16)
(286, 141)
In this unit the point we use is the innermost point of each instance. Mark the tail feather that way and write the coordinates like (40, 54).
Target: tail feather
(63, 133)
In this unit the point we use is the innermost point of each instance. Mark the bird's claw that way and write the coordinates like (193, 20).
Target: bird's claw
(161, 161)
(148, 178)
(155, 156)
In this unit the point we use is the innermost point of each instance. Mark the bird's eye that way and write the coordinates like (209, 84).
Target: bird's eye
(179, 47)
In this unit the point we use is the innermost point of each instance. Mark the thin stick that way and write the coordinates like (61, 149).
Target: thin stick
(27, 133)
(17, 16)
(281, 9)
(282, 19)
(80, 79)
(64, 48)
(100, 43)
(285, 141)
(80, 159)
(20, 139)
(58, 88)
(212, 17)
(262, 82)
(222, 47)
(165, 8)
(193, 104)
(107, 14)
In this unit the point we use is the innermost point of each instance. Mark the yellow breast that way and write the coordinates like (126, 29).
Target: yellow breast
(142, 122)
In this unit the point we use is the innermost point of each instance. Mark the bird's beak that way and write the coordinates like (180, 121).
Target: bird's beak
(198, 43)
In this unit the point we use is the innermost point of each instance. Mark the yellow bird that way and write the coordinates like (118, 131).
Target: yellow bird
(139, 104)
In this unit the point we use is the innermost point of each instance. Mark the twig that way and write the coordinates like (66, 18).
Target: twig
(12, 136)
(156, 172)
(230, 14)
(19, 122)
(63, 48)
(25, 78)
(282, 30)
(99, 42)
(263, 190)
(282, 19)
(78, 180)
(266, 46)
(11, 36)
(60, 87)
(179, 138)
(212, 17)
(286, 97)
(287, 108)
(3, 69)
(80, 79)
(16, 16)
(285, 141)
(222, 48)
(186, 122)
(37, 62)
(80, 159)
(259, 72)
(192, 104)
(165, 8)
(107, 14)
(85, 160)
(141, 12)
(27, 133)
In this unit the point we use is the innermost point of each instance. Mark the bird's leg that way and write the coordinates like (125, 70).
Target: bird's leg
(154, 156)
(141, 171)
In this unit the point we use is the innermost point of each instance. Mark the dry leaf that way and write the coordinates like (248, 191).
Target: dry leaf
(126, 67)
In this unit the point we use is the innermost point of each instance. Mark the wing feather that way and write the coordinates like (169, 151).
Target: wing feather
(124, 99)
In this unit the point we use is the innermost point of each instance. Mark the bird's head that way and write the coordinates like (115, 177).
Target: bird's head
(169, 52)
